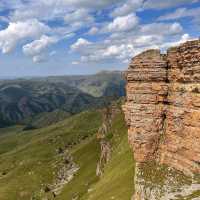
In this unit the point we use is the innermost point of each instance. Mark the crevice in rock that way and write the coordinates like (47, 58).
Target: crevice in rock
(103, 137)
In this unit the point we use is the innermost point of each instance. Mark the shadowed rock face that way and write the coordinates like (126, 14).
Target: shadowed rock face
(162, 111)
(163, 106)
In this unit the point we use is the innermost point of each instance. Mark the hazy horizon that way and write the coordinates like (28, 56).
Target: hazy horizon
(58, 75)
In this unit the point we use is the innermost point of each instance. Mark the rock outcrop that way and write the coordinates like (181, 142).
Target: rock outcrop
(162, 108)
(103, 136)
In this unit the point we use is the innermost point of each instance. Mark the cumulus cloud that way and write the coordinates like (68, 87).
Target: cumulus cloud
(114, 25)
(124, 23)
(78, 15)
(122, 46)
(37, 48)
(79, 18)
(17, 31)
(162, 28)
(122, 51)
(93, 31)
(91, 3)
(39, 58)
(80, 44)
(185, 37)
(56, 9)
(40, 9)
(160, 4)
(126, 8)
(180, 13)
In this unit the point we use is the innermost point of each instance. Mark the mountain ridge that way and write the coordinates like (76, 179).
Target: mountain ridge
(25, 98)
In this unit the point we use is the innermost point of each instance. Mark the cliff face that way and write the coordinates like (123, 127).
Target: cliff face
(181, 144)
(163, 107)
(145, 108)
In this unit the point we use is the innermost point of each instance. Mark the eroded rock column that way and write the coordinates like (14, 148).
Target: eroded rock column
(145, 109)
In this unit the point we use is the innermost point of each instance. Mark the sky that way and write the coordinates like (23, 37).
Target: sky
(58, 37)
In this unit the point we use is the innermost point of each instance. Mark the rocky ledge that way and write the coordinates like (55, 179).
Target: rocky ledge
(162, 111)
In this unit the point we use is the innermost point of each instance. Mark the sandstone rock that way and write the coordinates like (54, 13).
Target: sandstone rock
(162, 108)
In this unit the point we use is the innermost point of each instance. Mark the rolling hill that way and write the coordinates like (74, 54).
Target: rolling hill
(59, 162)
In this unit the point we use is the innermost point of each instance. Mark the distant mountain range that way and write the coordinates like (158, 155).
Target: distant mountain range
(24, 98)
(105, 83)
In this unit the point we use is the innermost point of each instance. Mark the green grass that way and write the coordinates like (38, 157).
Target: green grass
(117, 181)
(27, 160)
(86, 156)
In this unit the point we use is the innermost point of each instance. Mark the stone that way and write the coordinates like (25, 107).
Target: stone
(162, 110)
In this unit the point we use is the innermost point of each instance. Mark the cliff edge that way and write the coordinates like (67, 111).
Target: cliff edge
(162, 111)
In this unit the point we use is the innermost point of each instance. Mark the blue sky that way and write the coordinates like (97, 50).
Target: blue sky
(57, 37)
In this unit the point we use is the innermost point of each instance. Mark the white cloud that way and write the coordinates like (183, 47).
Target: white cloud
(126, 8)
(51, 9)
(143, 40)
(80, 44)
(40, 9)
(37, 48)
(180, 13)
(17, 31)
(117, 34)
(162, 4)
(39, 58)
(79, 18)
(185, 37)
(78, 15)
(111, 51)
(93, 31)
(122, 46)
(162, 28)
(75, 62)
(91, 3)
(124, 23)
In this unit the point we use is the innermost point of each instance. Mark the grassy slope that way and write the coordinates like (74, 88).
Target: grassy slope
(117, 181)
(28, 158)
(28, 162)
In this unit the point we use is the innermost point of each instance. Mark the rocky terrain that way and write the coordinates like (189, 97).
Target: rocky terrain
(163, 114)
(104, 135)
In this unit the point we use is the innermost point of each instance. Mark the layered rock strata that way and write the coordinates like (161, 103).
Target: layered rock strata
(162, 108)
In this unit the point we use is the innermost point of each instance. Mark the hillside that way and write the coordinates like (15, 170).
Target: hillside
(25, 98)
(62, 159)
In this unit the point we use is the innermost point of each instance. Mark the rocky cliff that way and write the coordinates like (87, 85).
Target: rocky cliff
(162, 111)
